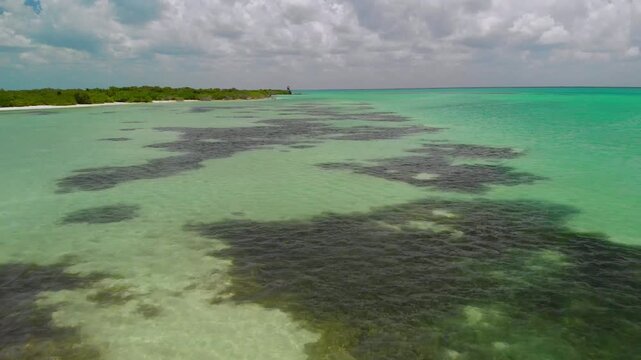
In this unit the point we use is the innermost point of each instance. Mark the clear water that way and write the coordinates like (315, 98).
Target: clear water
(330, 225)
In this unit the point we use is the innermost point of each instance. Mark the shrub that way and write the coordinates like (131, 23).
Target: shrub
(82, 98)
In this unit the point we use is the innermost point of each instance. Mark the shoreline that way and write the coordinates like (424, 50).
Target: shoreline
(50, 107)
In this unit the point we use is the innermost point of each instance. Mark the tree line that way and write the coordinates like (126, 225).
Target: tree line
(50, 96)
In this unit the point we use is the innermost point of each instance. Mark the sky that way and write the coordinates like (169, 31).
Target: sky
(312, 44)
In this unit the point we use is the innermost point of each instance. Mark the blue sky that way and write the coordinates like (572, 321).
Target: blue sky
(319, 43)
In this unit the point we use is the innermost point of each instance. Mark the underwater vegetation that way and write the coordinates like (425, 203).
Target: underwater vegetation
(103, 214)
(40, 112)
(148, 311)
(439, 279)
(431, 279)
(200, 144)
(116, 139)
(111, 294)
(363, 112)
(433, 165)
(26, 329)
(205, 109)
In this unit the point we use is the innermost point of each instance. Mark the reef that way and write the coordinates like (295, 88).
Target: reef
(111, 294)
(102, 214)
(440, 279)
(200, 144)
(40, 112)
(26, 329)
(206, 109)
(348, 111)
(116, 139)
(434, 165)
(431, 279)
(148, 311)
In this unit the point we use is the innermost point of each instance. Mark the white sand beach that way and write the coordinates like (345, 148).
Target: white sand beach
(48, 107)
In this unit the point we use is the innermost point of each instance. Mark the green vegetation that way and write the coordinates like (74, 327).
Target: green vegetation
(148, 311)
(9, 98)
(115, 294)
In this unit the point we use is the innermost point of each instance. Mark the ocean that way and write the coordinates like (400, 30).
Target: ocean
(478, 223)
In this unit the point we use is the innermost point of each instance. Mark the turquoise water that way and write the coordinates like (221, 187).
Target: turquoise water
(587, 141)
(382, 224)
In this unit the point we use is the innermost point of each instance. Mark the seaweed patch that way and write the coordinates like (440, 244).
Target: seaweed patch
(205, 109)
(199, 144)
(148, 311)
(26, 329)
(433, 166)
(112, 294)
(40, 112)
(201, 109)
(442, 279)
(116, 139)
(357, 111)
(102, 214)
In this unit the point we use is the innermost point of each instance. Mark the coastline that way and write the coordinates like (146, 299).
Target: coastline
(49, 107)
(42, 99)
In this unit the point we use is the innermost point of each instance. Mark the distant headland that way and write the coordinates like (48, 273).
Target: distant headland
(134, 94)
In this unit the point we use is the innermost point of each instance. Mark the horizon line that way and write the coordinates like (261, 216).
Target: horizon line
(477, 87)
(350, 89)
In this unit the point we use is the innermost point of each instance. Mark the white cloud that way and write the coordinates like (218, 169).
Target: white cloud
(45, 55)
(633, 52)
(9, 38)
(531, 25)
(555, 35)
(421, 40)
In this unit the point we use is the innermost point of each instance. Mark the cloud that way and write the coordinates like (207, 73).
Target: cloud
(532, 26)
(633, 52)
(46, 55)
(136, 12)
(335, 43)
(9, 39)
(555, 35)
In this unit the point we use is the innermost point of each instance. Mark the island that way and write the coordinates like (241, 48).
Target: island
(132, 94)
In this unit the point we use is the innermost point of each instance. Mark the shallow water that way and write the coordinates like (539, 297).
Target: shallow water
(388, 224)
